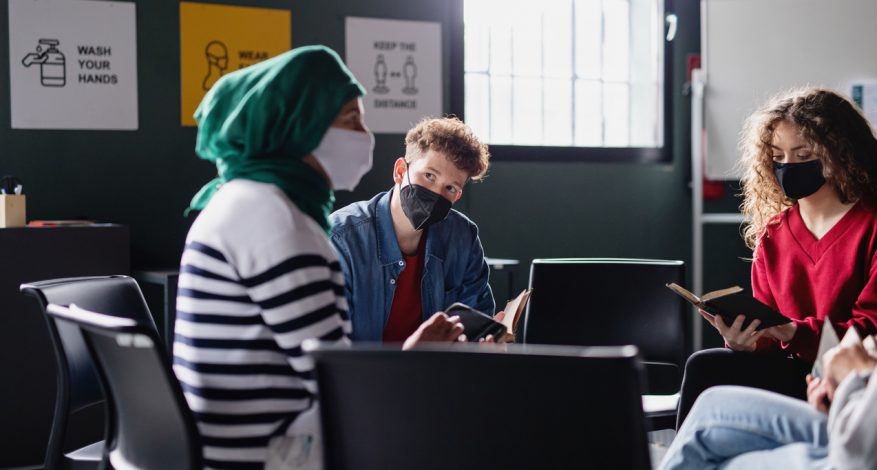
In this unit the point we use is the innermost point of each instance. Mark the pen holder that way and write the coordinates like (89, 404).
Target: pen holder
(12, 211)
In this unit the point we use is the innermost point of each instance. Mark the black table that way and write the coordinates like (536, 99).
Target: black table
(166, 279)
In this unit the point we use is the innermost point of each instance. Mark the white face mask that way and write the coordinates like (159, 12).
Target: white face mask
(345, 156)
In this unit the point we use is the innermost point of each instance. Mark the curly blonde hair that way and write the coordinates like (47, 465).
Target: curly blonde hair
(454, 139)
(841, 138)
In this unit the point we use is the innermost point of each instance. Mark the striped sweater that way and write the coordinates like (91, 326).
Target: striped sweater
(257, 278)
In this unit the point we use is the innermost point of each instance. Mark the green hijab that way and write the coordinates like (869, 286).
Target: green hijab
(259, 122)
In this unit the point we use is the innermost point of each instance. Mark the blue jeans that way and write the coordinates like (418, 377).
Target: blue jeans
(733, 427)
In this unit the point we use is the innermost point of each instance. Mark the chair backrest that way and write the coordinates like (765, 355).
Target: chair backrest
(606, 302)
(78, 388)
(151, 424)
(465, 407)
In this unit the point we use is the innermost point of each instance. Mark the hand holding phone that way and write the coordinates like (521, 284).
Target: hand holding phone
(476, 324)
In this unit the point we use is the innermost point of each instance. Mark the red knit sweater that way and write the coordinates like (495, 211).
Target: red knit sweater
(808, 279)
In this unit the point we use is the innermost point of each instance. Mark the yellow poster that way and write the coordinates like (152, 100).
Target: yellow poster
(218, 39)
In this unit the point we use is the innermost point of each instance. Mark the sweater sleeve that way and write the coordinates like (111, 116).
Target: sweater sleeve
(864, 312)
(851, 430)
(298, 291)
(761, 291)
(863, 316)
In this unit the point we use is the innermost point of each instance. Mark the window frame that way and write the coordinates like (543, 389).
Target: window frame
(530, 153)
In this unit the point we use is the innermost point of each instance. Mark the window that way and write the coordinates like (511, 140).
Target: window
(567, 73)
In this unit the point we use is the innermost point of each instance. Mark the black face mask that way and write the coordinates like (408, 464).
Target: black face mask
(799, 180)
(422, 206)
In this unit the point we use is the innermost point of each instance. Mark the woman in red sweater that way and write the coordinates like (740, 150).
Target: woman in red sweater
(810, 199)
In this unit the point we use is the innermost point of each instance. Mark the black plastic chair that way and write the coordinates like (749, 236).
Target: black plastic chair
(150, 424)
(607, 302)
(474, 408)
(78, 428)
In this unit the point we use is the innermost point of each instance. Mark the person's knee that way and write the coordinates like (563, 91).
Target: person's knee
(717, 398)
(713, 396)
(720, 393)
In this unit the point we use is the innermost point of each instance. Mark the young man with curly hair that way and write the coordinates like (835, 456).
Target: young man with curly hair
(406, 253)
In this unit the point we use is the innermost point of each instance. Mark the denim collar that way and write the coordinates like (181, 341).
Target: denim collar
(388, 246)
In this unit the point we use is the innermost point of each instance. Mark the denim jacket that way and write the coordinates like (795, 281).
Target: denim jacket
(454, 269)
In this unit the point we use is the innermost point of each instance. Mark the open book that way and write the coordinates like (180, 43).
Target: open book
(513, 310)
(828, 339)
(730, 302)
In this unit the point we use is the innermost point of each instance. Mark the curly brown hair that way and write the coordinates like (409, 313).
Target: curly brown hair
(841, 138)
(454, 139)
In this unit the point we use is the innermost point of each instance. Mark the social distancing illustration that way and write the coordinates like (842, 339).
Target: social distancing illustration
(216, 40)
(407, 71)
(399, 63)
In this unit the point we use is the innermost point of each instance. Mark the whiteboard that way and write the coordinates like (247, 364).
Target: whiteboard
(753, 49)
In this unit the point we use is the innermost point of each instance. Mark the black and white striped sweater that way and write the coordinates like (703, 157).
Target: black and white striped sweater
(257, 278)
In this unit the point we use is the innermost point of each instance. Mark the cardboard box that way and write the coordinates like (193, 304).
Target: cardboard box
(12, 211)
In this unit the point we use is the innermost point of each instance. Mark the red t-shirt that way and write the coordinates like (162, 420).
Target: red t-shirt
(808, 279)
(406, 312)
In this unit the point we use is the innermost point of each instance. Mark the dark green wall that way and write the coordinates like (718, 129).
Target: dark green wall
(525, 210)
(145, 178)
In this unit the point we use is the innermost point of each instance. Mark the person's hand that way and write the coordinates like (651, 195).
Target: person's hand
(438, 328)
(736, 337)
(784, 332)
(841, 360)
(819, 393)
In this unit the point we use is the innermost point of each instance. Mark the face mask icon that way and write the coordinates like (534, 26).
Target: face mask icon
(217, 63)
(53, 65)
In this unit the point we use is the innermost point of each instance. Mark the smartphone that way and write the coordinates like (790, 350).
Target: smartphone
(476, 325)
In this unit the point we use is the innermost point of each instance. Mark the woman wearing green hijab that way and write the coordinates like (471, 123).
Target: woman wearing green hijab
(258, 275)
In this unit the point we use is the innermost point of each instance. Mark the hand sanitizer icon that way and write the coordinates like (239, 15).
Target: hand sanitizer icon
(53, 65)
